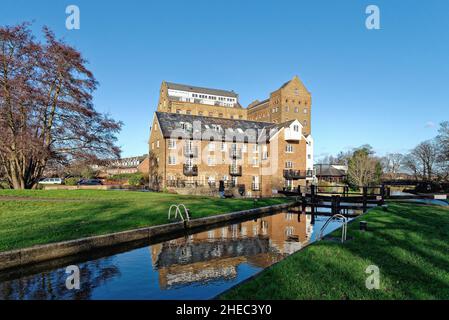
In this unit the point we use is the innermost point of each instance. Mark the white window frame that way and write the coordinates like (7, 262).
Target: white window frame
(211, 161)
(255, 148)
(171, 160)
(255, 162)
(171, 144)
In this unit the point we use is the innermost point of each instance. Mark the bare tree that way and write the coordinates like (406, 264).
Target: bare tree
(422, 160)
(392, 164)
(443, 140)
(46, 110)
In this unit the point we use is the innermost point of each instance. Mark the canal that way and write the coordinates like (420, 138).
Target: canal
(194, 266)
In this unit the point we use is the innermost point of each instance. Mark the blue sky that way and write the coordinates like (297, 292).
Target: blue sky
(388, 87)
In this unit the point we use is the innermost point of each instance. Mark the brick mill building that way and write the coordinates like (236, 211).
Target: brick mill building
(201, 136)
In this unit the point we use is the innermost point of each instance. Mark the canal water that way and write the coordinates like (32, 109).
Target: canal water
(196, 266)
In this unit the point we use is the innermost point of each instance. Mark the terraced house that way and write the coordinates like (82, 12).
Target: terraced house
(201, 138)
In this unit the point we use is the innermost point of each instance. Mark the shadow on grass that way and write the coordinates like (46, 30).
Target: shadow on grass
(408, 244)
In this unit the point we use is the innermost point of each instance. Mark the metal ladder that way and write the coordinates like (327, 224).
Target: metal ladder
(344, 228)
(178, 211)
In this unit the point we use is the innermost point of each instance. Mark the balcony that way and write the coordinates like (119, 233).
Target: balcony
(309, 173)
(190, 170)
(291, 135)
(291, 174)
(235, 153)
(235, 171)
(191, 152)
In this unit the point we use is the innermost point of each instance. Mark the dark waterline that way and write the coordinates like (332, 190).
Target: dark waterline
(197, 266)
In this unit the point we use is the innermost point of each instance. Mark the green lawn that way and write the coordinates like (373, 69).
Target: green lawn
(33, 217)
(409, 244)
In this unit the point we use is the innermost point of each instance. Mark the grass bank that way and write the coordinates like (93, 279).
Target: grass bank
(409, 244)
(32, 217)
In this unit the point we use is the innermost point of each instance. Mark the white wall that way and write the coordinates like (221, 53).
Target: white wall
(189, 97)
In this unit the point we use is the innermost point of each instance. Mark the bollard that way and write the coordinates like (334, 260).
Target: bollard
(365, 195)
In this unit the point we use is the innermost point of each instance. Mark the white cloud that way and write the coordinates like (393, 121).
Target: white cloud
(430, 124)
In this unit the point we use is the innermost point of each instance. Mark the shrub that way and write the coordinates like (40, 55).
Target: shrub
(71, 181)
(135, 180)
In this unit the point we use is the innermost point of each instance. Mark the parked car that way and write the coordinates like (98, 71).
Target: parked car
(51, 181)
(90, 182)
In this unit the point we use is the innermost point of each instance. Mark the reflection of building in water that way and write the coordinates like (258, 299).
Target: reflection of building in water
(215, 254)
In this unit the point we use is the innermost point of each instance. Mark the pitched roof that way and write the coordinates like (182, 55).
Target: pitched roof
(256, 103)
(228, 128)
(189, 88)
(325, 170)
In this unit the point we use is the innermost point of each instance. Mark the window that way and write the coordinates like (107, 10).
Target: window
(289, 148)
(200, 113)
(157, 144)
(264, 153)
(152, 146)
(256, 148)
(305, 110)
(255, 162)
(171, 160)
(211, 146)
(296, 109)
(287, 109)
(305, 123)
(256, 186)
(223, 146)
(211, 114)
(171, 143)
(220, 115)
(296, 128)
(211, 161)
(188, 112)
(186, 126)
(289, 231)
(309, 156)
(178, 110)
(288, 164)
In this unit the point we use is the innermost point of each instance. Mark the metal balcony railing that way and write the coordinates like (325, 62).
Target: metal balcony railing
(190, 170)
(291, 174)
(235, 170)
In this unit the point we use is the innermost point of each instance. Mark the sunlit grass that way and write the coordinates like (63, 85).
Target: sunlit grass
(409, 244)
(33, 217)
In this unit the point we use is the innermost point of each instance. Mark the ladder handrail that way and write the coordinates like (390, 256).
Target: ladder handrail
(178, 211)
(344, 229)
(186, 212)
